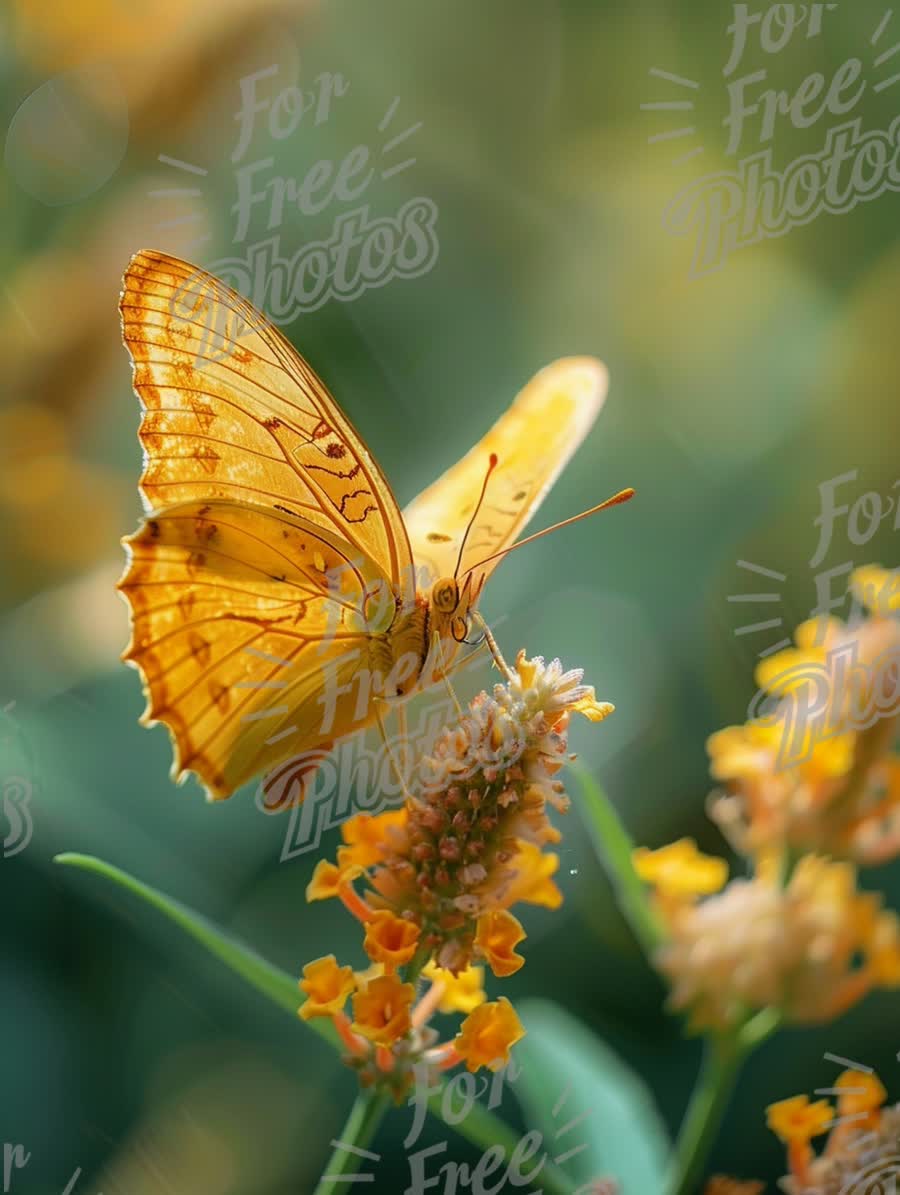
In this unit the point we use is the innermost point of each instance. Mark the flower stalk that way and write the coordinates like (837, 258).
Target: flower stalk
(351, 1146)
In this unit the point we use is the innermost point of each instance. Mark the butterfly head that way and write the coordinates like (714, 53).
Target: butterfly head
(452, 605)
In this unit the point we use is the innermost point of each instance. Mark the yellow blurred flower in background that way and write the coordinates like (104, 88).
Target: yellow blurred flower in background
(679, 869)
(810, 948)
(820, 771)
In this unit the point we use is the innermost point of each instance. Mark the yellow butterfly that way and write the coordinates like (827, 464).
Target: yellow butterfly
(279, 599)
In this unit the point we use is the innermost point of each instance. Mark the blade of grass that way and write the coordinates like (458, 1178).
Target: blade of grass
(614, 848)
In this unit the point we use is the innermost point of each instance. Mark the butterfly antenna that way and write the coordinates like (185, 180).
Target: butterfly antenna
(492, 464)
(615, 500)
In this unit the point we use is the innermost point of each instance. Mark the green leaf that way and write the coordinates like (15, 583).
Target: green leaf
(621, 1126)
(614, 848)
(280, 987)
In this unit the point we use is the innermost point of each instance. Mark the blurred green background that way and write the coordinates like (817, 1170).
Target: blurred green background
(733, 397)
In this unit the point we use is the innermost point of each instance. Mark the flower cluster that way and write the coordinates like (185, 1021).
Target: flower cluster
(810, 947)
(795, 935)
(862, 1151)
(432, 883)
(819, 770)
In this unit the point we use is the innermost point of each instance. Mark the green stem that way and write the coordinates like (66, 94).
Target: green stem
(362, 1124)
(790, 857)
(724, 1057)
(415, 965)
(721, 1064)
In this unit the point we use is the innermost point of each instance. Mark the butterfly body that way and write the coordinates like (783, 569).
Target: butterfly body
(279, 598)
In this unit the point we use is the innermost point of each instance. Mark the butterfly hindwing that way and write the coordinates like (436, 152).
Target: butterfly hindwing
(247, 626)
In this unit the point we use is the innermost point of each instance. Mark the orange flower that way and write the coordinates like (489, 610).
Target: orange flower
(327, 987)
(486, 1035)
(796, 1119)
(390, 939)
(325, 882)
(496, 938)
(381, 1010)
(860, 1093)
(329, 881)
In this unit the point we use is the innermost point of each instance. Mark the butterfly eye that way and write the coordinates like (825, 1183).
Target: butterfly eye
(459, 628)
(446, 595)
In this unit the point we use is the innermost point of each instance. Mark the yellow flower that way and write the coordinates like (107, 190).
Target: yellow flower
(367, 836)
(496, 938)
(679, 869)
(368, 974)
(459, 993)
(381, 1010)
(797, 1120)
(327, 987)
(877, 588)
(752, 751)
(486, 1035)
(882, 947)
(789, 668)
(390, 939)
(531, 883)
(593, 710)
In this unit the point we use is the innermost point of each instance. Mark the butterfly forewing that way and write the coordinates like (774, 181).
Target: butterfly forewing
(232, 411)
(532, 440)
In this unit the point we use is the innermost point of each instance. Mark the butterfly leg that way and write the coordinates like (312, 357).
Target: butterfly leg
(445, 675)
(495, 650)
(398, 767)
(405, 745)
